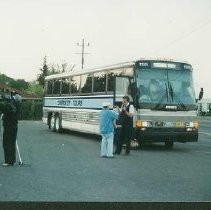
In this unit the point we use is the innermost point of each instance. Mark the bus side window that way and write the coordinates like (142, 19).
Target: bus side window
(110, 81)
(122, 88)
(49, 87)
(99, 82)
(111, 78)
(75, 85)
(86, 84)
(65, 86)
(56, 87)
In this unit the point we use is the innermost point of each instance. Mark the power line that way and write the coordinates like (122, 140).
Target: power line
(187, 34)
(82, 52)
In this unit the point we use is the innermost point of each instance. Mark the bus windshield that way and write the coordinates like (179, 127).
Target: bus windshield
(161, 88)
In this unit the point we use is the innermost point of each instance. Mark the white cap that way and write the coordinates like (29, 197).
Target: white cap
(18, 98)
(106, 104)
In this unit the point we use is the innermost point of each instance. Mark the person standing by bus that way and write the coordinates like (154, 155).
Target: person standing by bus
(9, 108)
(107, 130)
(117, 131)
(126, 119)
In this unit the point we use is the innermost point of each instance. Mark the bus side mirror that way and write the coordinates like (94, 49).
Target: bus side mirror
(201, 93)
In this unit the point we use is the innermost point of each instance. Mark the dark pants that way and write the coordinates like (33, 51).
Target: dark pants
(124, 138)
(9, 143)
(117, 132)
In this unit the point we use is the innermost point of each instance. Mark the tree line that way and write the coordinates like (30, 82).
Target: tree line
(32, 92)
(34, 88)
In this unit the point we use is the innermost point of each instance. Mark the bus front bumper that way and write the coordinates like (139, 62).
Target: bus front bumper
(168, 134)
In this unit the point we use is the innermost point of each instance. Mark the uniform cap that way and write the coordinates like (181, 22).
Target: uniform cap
(17, 97)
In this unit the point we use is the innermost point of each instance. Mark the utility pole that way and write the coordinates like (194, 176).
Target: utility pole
(83, 45)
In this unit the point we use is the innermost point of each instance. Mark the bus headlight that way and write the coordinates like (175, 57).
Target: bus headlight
(143, 123)
(193, 124)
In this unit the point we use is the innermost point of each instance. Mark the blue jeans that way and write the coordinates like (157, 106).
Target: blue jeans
(107, 145)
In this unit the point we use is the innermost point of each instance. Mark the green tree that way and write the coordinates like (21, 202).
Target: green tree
(49, 70)
(35, 89)
(44, 72)
(19, 84)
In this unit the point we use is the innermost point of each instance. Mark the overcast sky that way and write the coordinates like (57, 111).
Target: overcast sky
(117, 30)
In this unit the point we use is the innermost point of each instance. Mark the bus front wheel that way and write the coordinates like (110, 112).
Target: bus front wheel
(169, 144)
(141, 144)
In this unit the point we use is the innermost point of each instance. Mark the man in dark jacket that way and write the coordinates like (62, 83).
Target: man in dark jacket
(9, 108)
(126, 120)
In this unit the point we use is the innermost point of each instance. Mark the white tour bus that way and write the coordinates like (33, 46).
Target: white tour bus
(161, 91)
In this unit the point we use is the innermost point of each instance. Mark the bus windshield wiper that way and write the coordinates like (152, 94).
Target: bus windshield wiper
(162, 98)
(172, 94)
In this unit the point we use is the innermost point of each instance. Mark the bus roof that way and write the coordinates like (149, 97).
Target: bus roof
(109, 67)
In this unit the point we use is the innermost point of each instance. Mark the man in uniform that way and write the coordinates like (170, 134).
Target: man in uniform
(126, 120)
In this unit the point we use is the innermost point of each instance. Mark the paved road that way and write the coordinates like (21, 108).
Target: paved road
(67, 167)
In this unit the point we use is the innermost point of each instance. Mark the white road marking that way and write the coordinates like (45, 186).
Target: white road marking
(205, 152)
(199, 144)
(209, 134)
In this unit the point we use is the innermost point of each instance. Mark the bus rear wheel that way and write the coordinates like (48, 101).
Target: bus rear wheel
(58, 127)
(52, 124)
(169, 144)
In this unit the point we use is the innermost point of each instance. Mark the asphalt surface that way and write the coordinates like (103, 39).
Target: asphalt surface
(68, 167)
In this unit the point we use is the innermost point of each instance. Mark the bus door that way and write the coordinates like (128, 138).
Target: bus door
(122, 88)
(125, 86)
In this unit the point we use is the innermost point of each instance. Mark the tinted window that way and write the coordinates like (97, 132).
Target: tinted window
(86, 83)
(99, 82)
(49, 88)
(75, 84)
(56, 87)
(65, 86)
(117, 72)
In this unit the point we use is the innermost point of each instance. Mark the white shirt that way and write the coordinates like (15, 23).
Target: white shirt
(131, 109)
